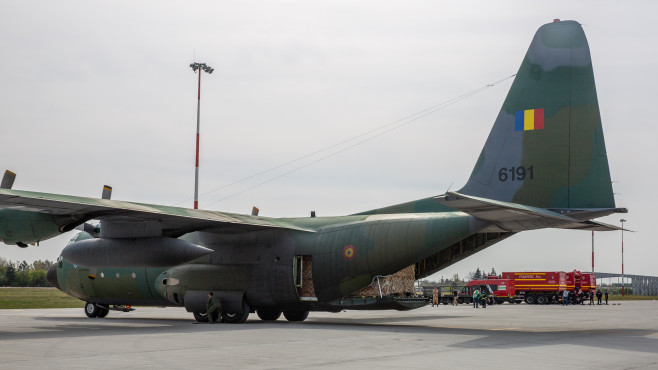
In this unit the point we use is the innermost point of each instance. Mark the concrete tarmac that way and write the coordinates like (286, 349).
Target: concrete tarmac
(499, 337)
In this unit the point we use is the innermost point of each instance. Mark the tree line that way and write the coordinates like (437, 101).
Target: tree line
(23, 274)
(456, 281)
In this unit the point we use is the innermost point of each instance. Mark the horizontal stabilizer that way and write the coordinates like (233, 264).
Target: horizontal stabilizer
(506, 216)
(593, 226)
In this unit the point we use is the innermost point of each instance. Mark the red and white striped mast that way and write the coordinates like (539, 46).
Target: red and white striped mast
(206, 68)
(622, 256)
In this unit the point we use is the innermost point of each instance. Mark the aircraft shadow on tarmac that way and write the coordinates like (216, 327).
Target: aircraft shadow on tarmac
(637, 340)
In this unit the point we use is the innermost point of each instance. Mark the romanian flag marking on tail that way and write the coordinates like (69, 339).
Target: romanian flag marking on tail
(531, 119)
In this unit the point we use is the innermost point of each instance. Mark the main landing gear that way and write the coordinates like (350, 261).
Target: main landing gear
(272, 315)
(263, 314)
(268, 315)
(227, 317)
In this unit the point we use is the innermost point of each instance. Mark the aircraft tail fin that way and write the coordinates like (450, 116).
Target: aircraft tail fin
(546, 147)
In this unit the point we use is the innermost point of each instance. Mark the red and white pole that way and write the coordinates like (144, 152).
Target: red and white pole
(196, 168)
(622, 256)
(208, 69)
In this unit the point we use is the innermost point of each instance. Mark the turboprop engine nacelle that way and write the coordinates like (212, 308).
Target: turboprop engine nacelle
(138, 252)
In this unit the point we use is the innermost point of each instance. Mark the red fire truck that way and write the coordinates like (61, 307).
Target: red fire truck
(498, 290)
(581, 280)
(531, 287)
(538, 287)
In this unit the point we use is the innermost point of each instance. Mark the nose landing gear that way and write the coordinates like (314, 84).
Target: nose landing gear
(93, 310)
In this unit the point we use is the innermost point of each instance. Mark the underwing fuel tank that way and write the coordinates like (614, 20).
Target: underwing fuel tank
(138, 252)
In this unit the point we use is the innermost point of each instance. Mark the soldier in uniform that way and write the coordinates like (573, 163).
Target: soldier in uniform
(454, 297)
(435, 296)
(213, 306)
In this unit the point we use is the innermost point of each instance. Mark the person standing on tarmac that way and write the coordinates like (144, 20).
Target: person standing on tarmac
(591, 297)
(476, 298)
(565, 298)
(213, 306)
(598, 297)
(483, 297)
(435, 296)
(606, 297)
(454, 297)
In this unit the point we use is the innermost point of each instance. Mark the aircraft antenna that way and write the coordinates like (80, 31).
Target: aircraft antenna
(373, 132)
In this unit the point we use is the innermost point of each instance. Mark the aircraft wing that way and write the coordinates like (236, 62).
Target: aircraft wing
(23, 213)
(506, 216)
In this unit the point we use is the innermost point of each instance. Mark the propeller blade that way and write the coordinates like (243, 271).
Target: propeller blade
(8, 180)
(88, 228)
(107, 192)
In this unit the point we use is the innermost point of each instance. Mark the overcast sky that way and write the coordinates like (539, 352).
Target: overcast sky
(96, 93)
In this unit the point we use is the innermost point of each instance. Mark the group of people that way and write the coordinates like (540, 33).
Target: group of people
(435, 297)
(579, 297)
(479, 298)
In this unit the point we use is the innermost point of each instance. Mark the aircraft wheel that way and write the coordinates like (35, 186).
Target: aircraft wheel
(91, 310)
(295, 315)
(237, 318)
(102, 313)
(268, 315)
(200, 317)
(530, 299)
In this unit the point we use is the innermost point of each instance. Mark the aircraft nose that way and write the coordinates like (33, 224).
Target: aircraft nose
(51, 276)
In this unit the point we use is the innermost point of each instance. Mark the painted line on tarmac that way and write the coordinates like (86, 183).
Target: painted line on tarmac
(583, 331)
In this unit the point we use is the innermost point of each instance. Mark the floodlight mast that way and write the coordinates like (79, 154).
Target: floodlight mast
(198, 66)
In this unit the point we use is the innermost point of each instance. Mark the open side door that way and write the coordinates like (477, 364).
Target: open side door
(303, 277)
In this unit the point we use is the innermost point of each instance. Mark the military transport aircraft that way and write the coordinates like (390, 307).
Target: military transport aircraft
(543, 165)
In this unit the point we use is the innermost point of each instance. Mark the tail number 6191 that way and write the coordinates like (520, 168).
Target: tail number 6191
(516, 173)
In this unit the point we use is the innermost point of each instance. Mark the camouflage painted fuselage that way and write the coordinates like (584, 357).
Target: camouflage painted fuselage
(346, 252)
